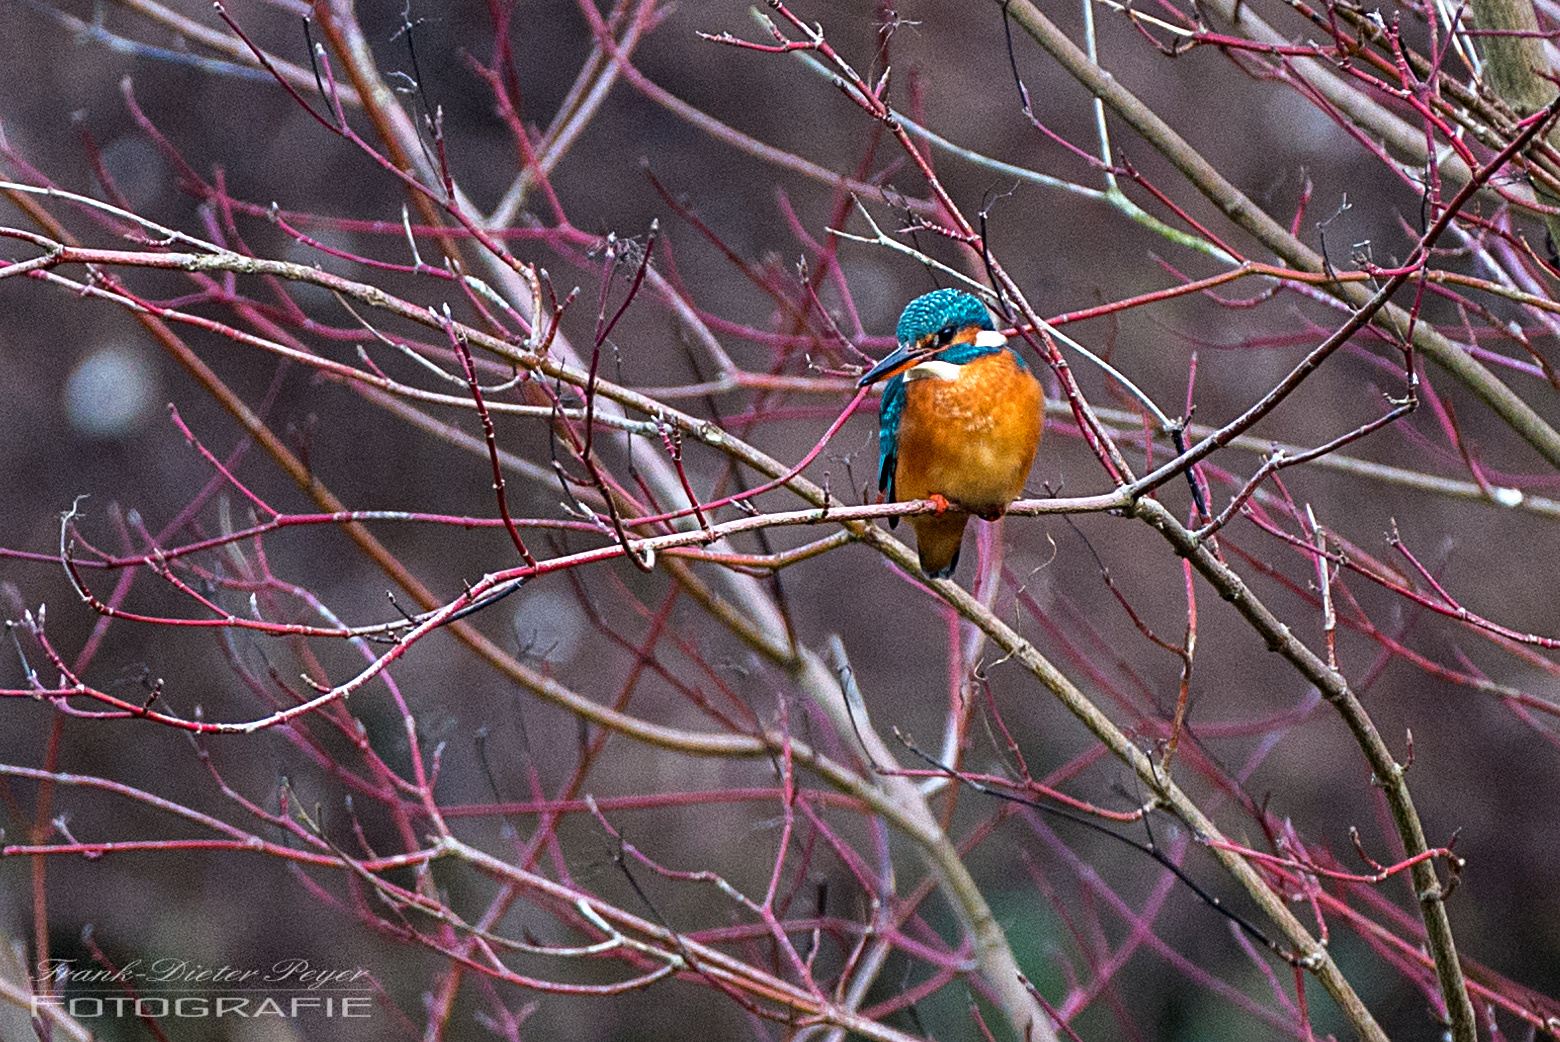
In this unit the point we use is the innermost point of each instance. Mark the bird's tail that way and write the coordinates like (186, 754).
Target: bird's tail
(937, 539)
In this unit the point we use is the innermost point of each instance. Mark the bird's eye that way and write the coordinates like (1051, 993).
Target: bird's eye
(944, 337)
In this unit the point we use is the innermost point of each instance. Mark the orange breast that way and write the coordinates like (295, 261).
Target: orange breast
(971, 439)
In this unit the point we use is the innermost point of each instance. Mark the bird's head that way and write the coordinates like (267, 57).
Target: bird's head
(930, 325)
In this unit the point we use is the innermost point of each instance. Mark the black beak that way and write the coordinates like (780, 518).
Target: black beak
(901, 357)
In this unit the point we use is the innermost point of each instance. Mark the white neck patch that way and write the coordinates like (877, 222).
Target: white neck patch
(989, 338)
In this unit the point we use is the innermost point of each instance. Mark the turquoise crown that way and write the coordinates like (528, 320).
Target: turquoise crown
(940, 310)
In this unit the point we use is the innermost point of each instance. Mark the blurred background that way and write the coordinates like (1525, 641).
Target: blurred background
(83, 412)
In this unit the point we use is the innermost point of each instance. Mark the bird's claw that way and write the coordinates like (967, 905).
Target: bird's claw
(939, 504)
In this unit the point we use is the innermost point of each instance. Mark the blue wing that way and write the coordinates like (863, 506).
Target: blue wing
(890, 410)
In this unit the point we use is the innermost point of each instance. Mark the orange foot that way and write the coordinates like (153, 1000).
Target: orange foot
(939, 504)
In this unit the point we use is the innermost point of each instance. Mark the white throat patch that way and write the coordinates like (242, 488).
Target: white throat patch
(932, 370)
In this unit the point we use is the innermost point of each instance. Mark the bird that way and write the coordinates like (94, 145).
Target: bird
(959, 424)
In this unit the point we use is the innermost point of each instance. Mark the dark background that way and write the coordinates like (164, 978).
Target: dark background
(1479, 772)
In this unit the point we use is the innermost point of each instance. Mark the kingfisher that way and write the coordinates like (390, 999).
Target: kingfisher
(959, 423)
